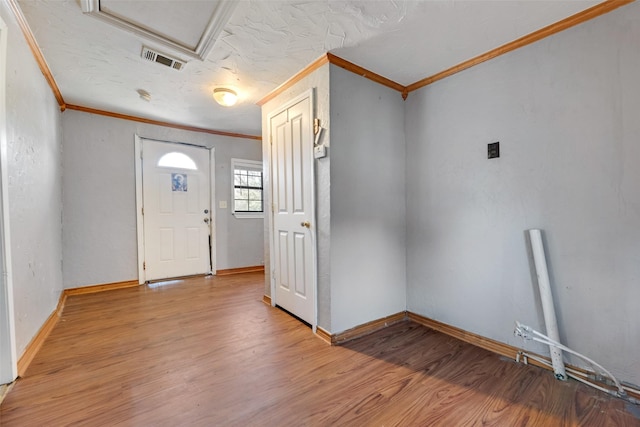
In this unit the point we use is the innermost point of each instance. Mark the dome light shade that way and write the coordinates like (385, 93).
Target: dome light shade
(225, 97)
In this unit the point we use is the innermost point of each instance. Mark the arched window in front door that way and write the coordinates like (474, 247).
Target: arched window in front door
(177, 160)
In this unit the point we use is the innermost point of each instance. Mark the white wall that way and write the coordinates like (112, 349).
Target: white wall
(565, 111)
(319, 81)
(99, 216)
(368, 212)
(34, 157)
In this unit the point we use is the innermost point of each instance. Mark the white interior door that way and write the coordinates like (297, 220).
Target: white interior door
(176, 210)
(294, 265)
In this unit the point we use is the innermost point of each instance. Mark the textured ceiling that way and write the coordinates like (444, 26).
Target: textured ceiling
(166, 16)
(264, 43)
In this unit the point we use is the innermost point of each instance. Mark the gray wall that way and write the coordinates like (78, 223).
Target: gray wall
(34, 157)
(99, 219)
(565, 111)
(368, 211)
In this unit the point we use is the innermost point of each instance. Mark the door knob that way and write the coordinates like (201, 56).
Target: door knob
(206, 220)
(306, 224)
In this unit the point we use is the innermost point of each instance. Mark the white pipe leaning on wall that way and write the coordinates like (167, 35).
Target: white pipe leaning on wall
(546, 297)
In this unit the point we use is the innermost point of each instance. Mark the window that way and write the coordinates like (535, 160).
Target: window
(177, 160)
(247, 189)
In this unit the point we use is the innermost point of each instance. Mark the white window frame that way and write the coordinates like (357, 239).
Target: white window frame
(245, 164)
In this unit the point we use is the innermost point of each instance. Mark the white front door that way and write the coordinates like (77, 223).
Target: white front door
(291, 134)
(176, 210)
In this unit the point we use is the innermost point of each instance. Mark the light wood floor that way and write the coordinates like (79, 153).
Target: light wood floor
(208, 352)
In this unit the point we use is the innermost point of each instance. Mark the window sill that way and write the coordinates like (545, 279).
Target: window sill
(243, 215)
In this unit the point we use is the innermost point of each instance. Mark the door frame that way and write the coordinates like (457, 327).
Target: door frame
(140, 203)
(310, 93)
(8, 350)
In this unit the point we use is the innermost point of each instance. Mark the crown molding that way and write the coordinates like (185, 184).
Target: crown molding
(339, 62)
(363, 72)
(37, 53)
(295, 79)
(573, 20)
(46, 71)
(160, 123)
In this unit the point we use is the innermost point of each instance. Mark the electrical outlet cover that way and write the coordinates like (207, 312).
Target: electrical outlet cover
(493, 150)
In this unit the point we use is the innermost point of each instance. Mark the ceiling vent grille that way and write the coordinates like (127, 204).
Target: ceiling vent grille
(153, 56)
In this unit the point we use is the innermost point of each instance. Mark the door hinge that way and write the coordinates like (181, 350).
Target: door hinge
(142, 211)
(144, 265)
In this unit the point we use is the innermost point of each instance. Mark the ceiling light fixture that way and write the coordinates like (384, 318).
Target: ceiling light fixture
(225, 97)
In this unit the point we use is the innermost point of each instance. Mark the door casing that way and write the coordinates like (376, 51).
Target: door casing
(139, 204)
(8, 351)
(310, 94)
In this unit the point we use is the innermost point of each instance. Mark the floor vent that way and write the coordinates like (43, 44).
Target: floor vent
(153, 56)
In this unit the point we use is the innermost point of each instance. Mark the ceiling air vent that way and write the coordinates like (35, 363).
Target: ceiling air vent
(153, 56)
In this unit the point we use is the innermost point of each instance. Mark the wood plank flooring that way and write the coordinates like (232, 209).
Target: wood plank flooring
(209, 352)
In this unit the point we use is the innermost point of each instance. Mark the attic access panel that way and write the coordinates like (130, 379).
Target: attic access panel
(189, 28)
